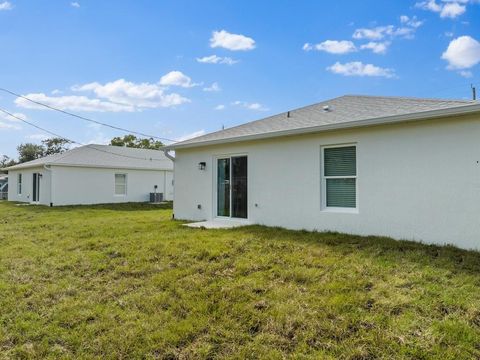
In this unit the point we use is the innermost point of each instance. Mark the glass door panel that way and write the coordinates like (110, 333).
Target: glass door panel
(239, 187)
(36, 187)
(223, 187)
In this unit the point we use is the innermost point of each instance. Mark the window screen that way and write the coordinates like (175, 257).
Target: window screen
(340, 176)
(120, 184)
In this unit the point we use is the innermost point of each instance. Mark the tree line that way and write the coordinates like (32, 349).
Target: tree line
(57, 145)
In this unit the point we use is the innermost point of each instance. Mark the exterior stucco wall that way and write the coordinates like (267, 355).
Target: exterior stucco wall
(27, 185)
(79, 185)
(418, 181)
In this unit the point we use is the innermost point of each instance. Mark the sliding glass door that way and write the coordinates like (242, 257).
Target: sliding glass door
(36, 187)
(232, 187)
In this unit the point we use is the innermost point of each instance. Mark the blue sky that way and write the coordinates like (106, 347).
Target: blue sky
(178, 68)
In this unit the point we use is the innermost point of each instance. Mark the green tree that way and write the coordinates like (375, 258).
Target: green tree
(29, 152)
(55, 145)
(5, 161)
(133, 142)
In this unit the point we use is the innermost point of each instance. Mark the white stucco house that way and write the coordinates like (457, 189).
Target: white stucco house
(400, 167)
(92, 174)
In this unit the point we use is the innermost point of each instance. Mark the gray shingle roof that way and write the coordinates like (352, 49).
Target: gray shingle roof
(341, 110)
(104, 156)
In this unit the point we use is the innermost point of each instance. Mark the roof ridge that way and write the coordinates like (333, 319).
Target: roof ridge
(341, 109)
(121, 147)
(268, 117)
(93, 155)
(64, 154)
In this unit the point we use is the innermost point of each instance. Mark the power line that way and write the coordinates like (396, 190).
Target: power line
(85, 118)
(73, 141)
(38, 127)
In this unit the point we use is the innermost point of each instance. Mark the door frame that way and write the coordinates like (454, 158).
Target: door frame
(36, 176)
(215, 186)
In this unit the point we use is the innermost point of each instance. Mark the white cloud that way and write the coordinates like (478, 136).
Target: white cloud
(332, 47)
(76, 103)
(8, 122)
(376, 33)
(413, 21)
(14, 117)
(214, 87)
(448, 34)
(176, 78)
(99, 139)
(407, 30)
(357, 68)
(376, 47)
(234, 42)
(452, 10)
(250, 106)
(466, 73)
(8, 126)
(115, 96)
(56, 92)
(307, 47)
(430, 5)
(138, 95)
(380, 32)
(94, 126)
(214, 59)
(219, 107)
(75, 4)
(6, 5)
(446, 9)
(37, 137)
(462, 53)
(191, 135)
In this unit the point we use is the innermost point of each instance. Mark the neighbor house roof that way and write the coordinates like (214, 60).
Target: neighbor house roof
(343, 112)
(104, 156)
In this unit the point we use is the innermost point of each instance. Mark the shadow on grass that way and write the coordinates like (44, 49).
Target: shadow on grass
(446, 256)
(115, 207)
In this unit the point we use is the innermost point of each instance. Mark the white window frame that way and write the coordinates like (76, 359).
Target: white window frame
(115, 184)
(19, 184)
(324, 178)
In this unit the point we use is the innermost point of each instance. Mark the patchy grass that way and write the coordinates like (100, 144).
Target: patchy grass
(125, 281)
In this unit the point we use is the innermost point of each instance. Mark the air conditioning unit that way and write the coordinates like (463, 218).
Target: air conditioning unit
(156, 197)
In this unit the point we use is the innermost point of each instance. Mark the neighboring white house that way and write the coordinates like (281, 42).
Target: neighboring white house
(400, 167)
(92, 174)
(3, 186)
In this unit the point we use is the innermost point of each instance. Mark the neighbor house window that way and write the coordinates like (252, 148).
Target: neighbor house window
(120, 184)
(19, 184)
(339, 180)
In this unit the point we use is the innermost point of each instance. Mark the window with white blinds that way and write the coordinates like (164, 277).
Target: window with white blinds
(120, 184)
(339, 180)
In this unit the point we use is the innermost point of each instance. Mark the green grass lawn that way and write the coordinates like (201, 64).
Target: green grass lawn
(125, 281)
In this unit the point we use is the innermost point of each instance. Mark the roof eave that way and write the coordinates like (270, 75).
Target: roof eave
(424, 115)
(20, 167)
(112, 167)
(26, 166)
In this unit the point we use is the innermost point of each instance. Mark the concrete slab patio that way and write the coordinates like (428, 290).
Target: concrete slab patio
(219, 224)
